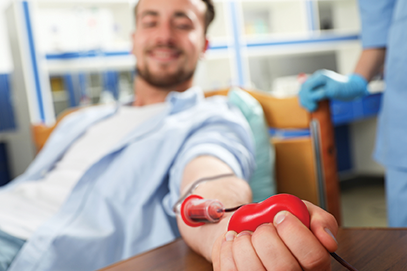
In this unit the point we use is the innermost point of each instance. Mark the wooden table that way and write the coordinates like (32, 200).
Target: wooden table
(365, 249)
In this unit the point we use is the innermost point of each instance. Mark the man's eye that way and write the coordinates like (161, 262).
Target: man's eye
(184, 26)
(148, 24)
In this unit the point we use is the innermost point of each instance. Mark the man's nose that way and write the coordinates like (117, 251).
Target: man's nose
(165, 33)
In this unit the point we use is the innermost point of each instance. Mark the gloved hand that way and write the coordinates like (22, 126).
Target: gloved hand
(324, 84)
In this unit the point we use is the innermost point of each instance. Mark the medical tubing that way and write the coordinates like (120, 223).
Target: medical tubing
(203, 210)
(343, 262)
(177, 205)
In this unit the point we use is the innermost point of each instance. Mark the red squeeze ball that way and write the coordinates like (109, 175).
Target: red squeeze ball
(250, 216)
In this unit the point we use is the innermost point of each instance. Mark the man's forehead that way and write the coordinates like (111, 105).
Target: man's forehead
(171, 6)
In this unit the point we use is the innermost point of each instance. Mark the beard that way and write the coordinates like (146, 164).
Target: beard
(165, 80)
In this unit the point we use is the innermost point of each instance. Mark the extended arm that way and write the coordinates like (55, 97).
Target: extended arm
(282, 244)
(231, 191)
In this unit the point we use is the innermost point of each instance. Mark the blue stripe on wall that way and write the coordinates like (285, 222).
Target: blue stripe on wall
(311, 40)
(33, 59)
(6, 107)
(310, 15)
(241, 80)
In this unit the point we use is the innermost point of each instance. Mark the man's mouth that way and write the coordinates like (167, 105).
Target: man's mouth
(164, 54)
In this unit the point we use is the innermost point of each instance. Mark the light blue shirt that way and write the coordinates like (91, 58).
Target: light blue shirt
(384, 24)
(122, 205)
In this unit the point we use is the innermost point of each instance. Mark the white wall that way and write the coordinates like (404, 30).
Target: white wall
(6, 63)
(363, 137)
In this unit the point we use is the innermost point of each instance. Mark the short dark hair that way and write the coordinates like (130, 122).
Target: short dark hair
(209, 14)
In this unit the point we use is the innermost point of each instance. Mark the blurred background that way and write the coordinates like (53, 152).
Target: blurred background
(59, 54)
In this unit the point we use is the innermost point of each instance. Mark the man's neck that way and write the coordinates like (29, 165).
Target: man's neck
(147, 94)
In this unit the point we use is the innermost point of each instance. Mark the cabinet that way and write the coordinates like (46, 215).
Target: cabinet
(258, 42)
(80, 49)
(70, 53)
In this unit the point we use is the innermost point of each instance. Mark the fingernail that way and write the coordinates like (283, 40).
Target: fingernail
(280, 217)
(230, 235)
(243, 233)
(330, 233)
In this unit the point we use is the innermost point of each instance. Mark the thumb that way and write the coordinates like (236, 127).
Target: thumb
(318, 94)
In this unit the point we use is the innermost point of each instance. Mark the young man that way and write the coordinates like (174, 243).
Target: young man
(103, 187)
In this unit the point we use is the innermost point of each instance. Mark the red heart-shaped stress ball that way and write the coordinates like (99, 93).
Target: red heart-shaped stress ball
(250, 216)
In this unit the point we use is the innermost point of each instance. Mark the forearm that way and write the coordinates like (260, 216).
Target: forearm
(370, 62)
(231, 191)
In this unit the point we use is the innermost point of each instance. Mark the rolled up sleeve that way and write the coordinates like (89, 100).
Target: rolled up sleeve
(230, 142)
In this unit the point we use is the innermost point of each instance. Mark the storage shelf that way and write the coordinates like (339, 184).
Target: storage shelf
(347, 112)
(292, 29)
(87, 54)
(57, 66)
(312, 39)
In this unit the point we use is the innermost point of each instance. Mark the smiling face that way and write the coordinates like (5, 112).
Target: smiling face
(169, 40)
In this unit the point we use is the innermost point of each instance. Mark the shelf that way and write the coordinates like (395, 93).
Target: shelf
(59, 96)
(301, 40)
(338, 15)
(276, 36)
(87, 64)
(91, 27)
(274, 17)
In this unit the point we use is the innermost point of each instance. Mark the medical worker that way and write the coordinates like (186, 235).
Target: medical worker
(384, 40)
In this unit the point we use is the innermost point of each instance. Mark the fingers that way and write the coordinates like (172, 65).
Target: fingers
(227, 262)
(262, 250)
(237, 253)
(324, 226)
(244, 254)
(284, 245)
(318, 79)
(216, 252)
(273, 253)
(304, 246)
(312, 91)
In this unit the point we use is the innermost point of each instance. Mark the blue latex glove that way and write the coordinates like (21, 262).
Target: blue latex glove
(324, 84)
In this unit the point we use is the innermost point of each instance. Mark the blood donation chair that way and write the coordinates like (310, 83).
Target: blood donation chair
(305, 166)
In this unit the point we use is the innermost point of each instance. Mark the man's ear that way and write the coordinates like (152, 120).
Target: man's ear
(206, 47)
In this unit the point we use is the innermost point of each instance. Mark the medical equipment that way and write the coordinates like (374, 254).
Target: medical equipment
(197, 211)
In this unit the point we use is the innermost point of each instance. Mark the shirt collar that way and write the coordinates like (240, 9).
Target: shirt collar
(180, 101)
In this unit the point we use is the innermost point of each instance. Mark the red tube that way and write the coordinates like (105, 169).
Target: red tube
(196, 211)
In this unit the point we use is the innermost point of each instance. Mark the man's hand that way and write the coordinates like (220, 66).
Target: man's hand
(325, 84)
(285, 244)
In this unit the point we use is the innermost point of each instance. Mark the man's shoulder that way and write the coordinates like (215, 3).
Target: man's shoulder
(216, 105)
(214, 109)
(84, 114)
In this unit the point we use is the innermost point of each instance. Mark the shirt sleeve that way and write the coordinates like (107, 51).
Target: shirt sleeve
(229, 141)
(376, 18)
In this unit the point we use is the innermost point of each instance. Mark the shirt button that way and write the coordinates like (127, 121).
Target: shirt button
(43, 172)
